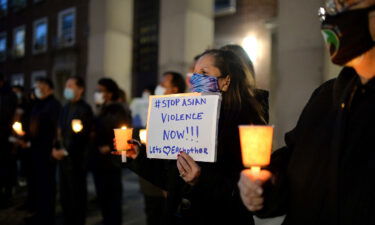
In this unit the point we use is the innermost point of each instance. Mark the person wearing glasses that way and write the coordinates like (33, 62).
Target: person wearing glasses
(325, 173)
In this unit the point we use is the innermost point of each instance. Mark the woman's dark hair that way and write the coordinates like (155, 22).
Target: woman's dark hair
(242, 54)
(111, 87)
(240, 92)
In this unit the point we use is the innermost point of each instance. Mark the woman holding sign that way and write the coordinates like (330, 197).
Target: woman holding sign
(206, 193)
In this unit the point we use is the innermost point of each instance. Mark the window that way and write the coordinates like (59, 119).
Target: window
(35, 75)
(3, 7)
(19, 4)
(19, 42)
(225, 7)
(17, 79)
(40, 35)
(3, 46)
(66, 27)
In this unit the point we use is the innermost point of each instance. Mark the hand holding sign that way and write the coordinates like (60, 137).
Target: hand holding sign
(183, 123)
(188, 168)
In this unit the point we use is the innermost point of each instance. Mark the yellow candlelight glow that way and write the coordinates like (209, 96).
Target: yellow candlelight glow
(17, 127)
(256, 146)
(77, 125)
(122, 136)
(143, 136)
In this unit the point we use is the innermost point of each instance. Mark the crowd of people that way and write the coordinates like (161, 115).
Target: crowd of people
(322, 176)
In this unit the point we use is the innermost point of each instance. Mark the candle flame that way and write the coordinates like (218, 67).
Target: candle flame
(123, 128)
(17, 127)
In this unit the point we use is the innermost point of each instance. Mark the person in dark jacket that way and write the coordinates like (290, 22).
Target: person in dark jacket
(43, 130)
(324, 174)
(206, 193)
(106, 167)
(8, 104)
(74, 130)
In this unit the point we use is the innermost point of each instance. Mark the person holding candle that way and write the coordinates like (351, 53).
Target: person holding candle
(106, 167)
(72, 151)
(324, 174)
(206, 193)
(43, 131)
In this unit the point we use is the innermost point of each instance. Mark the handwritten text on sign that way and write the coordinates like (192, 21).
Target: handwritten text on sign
(186, 123)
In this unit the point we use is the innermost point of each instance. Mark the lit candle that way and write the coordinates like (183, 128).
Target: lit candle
(256, 146)
(77, 125)
(17, 127)
(143, 136)
(122, 136)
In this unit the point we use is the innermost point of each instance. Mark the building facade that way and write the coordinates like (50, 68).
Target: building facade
(43, 38)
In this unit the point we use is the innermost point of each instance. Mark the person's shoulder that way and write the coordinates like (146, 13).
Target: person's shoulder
(326, 86)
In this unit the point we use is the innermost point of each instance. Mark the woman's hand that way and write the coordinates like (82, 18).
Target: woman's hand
(135, 149)
(189, 170)
(251, 188)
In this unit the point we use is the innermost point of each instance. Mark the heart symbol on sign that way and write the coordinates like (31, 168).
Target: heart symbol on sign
(166, 150)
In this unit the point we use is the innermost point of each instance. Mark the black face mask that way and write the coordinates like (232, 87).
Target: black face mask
(347, 35)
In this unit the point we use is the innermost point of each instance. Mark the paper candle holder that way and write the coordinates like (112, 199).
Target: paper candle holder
(256, 145)
(122, 136)
(77, 125)
(17, 127)
(143, 136)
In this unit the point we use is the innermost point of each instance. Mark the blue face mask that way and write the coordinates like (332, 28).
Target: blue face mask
(69, 94)
(203, 83)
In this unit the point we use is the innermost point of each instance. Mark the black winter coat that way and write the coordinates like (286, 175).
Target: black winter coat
(325, 174)
(43, 127)
(214, 199)
(76, 143)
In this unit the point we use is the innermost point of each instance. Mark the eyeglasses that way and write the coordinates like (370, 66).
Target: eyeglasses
(334, 7)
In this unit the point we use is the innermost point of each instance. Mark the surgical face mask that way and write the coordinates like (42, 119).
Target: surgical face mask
(99, 98)
(203, 83)
(160, 90)
(347, 34)
(38, 93)
(69, 94)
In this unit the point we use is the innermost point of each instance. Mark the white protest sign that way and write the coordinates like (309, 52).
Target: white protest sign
(184, 122)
